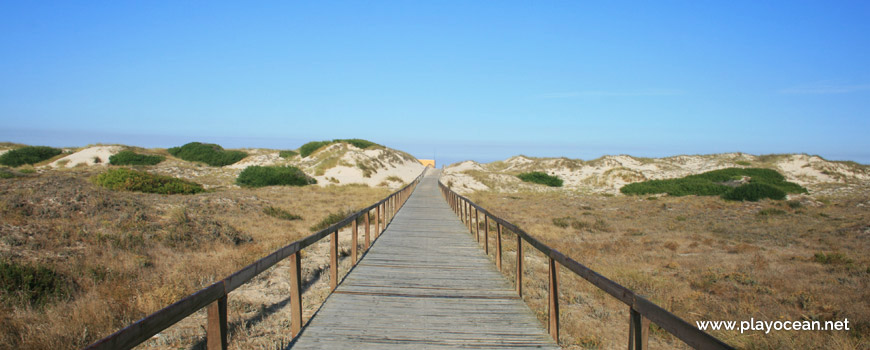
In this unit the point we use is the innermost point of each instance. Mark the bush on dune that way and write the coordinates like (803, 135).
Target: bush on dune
(133, 158)
(259, 176)
(763, 183)
(130, 180)
(207, 153)
(541, 178)
(309, 148)
(28, 155)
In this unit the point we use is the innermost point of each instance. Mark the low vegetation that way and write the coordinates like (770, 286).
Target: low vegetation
(739, 184)
(309, 148)
(259, 176)
(207, 153)
(28, 155)
(699, 257)
(541, 178)
(287, 154)
(133, 158)
(330, 219)
(109, 258)
(139, 181)
(279, 213)
(33, 285)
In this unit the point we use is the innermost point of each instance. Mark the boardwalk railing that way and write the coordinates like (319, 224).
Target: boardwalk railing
(214, 297)
(641, 310)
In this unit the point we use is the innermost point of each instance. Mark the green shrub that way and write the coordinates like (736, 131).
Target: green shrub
(309, 148)
(743, 163)
(6, 174)
(753, 192)
(541, 178)
(832, 259)
(130, 180)
(330, 219)
(280, 213)
(133, 158)
(35, 285)
(28, 155)
(259, 176)
(711, 184)
(207, 153)
(287, 154)
(794, 204)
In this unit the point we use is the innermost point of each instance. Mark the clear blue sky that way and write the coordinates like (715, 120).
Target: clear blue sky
(461, 80)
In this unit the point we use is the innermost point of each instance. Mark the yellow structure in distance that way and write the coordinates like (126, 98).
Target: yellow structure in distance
(427, 162)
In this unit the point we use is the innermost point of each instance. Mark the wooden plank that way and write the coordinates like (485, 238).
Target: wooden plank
(486, 234)
(638, 331)
(368, 234)
(426, 284)
(519, 278)
(498, 246)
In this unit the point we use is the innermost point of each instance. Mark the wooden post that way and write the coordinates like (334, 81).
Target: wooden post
(519, 265)
(498, 246)
(486, 234)
(353, 251)
(638, 331)
(477, 224)
(216, 333)
(383, 218)
(553, 307)
(333, 261)
(368, 228)
(295, 293)
(378, 221)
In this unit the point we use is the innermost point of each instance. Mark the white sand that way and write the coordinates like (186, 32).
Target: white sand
(88, 156)
(609, 173)
(258, 160)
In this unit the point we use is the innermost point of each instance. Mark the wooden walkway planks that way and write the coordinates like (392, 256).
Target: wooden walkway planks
(425, 283)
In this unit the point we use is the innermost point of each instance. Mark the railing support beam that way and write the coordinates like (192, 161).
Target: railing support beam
(333, 261)
(216, 331)
(519, 265)
(638, 331)
(553, 305)
(295, 293)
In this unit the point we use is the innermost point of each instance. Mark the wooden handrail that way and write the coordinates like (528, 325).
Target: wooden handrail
(641, 310)
(214, 296)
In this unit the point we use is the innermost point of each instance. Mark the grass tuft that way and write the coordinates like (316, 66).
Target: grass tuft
(330, 219)
(280, 213)
(287, 154)
(33, 285)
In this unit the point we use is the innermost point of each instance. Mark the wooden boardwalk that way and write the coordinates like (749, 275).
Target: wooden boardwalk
(425, 283)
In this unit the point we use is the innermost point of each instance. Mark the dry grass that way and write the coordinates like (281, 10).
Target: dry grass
(701, 258)
(130, 254)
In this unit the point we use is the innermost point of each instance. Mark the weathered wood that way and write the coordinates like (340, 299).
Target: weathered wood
(145, 328)
(295, 293)
(368, 234)
(486, 234)
(498, 246)
(378, 222)
(519, 265)
(477, 225)
(666, 320)
(354, 243)
(638, 331)
(216, 326)
(425, 284)
(333, 261)
(553, 304)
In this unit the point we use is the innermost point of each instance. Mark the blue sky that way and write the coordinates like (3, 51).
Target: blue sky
(457, 80)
